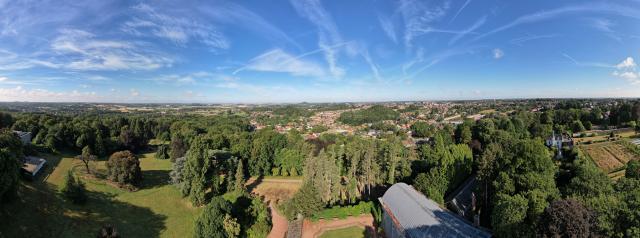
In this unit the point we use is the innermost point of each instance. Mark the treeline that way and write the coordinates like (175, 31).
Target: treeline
(376, 113)
(103, 134)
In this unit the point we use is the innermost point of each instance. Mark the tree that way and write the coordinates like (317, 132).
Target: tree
(577, 126)
(10, 155)
(202, 169)
(421, 129)
(566, 218)
(433, 185)
(123, 167)
(162, 152)
(73, 189)
(210, 223)
(508, 216)
(231, 226)
(178, 148)
(239, 182)
(305, 202)
(86, 157)
(176, 171)
(633, 169)
(6, 120)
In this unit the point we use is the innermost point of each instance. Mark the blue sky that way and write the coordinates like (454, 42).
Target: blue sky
(316, 51)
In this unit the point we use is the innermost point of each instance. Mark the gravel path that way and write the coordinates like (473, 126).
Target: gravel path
(280, 223)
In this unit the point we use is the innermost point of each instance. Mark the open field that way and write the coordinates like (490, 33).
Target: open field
(156, 210)
(609, 156)
(276, 188)
(604, 136)
(349, 232)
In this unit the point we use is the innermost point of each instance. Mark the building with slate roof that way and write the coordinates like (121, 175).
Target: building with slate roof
(407, 213)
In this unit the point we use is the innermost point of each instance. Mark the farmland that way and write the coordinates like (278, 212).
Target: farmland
(611, 157)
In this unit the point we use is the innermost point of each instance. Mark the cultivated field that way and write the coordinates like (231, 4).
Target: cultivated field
(609, 156)
(156, 210)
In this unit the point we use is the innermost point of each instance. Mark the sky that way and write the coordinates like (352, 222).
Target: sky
(256, 51)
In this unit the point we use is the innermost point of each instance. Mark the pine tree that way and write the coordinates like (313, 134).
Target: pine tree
(239, 182)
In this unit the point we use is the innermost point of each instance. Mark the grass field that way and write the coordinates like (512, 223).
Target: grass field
(156, 210)
(611, 157)
(274, 188)
(349, 232)
(604, 137)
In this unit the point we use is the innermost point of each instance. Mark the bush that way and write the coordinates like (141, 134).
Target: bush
(124, 168)
(343, 212)
(73, 189)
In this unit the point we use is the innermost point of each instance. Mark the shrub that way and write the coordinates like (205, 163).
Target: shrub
(124, 168)
(73, 189)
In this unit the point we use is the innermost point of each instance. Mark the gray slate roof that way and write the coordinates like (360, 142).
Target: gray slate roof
(422, 217)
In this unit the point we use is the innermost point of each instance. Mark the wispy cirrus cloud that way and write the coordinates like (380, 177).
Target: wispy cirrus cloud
(521, 40)
(418, 18)
(464, 5)
(389, 29)
(80, 50)
(177, 29)
(279, 61)
(469, 30)
(602, 8)
(328, 34)
(587, 64)
(232, 13)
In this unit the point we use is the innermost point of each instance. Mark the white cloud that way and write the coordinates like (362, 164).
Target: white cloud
(179, 30)
(627, 70)
(498, 53)
(279, 61)
(627, 63)
(2, 79)
(42, 95)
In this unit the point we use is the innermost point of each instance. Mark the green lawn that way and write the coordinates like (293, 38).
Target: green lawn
(156, 210)
(349, 232)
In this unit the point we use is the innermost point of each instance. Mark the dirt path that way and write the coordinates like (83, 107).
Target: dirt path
(280, 223)
(315, 229)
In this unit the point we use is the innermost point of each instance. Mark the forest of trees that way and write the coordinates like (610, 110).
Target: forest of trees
(522, 192)
(376, 113)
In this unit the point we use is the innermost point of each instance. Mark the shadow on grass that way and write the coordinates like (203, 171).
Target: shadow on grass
(39, 211)
(254, 183)
(154, 178)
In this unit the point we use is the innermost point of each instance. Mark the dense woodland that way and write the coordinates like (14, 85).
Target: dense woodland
(523, 190)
